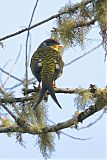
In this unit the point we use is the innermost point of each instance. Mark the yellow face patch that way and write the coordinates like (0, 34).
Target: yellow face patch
(57, 47)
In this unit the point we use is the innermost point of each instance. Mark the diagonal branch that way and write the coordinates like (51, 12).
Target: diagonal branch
(74, 7)
(12, 76)
(26, 53)
(10, 113)
(13, 66)
(32, 129)
(83, 55)
(24, 99)
(89, 125)
(76, 138)
(56, 90)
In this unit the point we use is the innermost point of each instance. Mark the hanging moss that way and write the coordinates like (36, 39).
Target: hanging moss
(86, 98)
(72, 26)
(83, 100)
(39, 116)
(101, 11)
(46, 144)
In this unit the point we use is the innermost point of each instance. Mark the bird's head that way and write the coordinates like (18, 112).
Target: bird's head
(53, 44)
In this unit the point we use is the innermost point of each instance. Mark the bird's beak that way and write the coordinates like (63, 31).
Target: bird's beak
(60, 46)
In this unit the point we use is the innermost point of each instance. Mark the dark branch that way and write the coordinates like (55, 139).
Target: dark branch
(76, 138)
(16, 100)
(92, 123)
(78, 58)
(10, 113)
(26, 54)
(24, 99)
(31, 129)
(11, 75)
(57, 90)
(74, 7)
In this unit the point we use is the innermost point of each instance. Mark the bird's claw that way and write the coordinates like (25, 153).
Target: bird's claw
(54, 84)
(36, 88)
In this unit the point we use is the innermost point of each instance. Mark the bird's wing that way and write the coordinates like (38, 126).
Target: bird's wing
(58, 67)
(36, 66)
(37, 69)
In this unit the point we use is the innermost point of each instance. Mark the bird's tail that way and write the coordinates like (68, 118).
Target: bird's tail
(47, 86)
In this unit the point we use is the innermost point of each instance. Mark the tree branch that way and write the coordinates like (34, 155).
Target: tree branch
(57, 90)
(76, 138)
(32, 129)
(83, 55)
(9, 111)
(93, 91)
(11, 75)
(92, 123)
(72, 9)
(26, 53)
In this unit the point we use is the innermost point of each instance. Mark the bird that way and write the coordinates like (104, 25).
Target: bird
(47, 66)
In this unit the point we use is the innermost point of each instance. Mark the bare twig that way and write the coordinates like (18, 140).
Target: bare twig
(16, 100)
(57, 90)
(30, 81)
(15, 86)
(10, 113)
(12, 128)
(89, 125)
(82, 139)
(76, 138)
(26, 53)
(3, 69)
(74, 7)
(12, 76)
(85, 54)
(31, 129)
(13, 65)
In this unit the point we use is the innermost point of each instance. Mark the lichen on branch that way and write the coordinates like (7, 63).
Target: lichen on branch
(73, 26)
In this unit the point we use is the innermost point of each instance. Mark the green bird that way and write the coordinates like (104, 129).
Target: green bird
(47, 65)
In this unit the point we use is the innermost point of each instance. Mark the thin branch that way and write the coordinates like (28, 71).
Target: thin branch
(14, 77)
(27, 59)
(31, 129)
(12, 128)
(16, 100)
(74, 7)
(10, 113)
(82, 139)
(13, 87)
(82, 116)
(26, 53)
(20, 122)
(89, 125)
(57, 90)
(13, 65)
(85, 54)
(3, 69)
(30, 81)
(76, 138)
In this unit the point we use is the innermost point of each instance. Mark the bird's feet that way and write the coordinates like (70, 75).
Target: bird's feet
(54, 84)
(46, 96)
